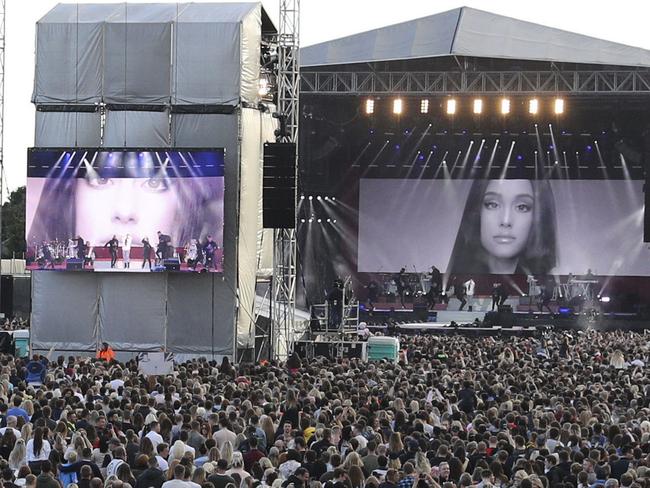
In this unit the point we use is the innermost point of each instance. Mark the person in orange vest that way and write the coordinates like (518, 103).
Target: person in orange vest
(106, 353)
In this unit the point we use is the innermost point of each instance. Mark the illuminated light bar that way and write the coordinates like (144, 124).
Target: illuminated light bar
(558, 106)
(370, 107)
(451, 106)
(505, 106)
(478, 106)
(397, 106)
(424, 106)
(533, 106)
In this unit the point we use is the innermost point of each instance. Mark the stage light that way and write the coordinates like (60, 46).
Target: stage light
(505, 106)
(478, 106)
(302, 197)
(451, 106)
(334, 221)
(319, 221)
(558, 106)
(424, 106)
(329, 220)
(533, 106)
(263, 87)
(302, 220)
(397, 106)
(370, 107)
(311, 197)
(318, 197)
(333, 199)
(604, 299)
(311, 220)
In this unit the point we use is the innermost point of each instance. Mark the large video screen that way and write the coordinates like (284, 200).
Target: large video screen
(510, 226)
(132, 210)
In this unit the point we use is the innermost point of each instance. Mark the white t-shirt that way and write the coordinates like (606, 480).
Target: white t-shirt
(111, 469)
(162, 463)
(41, 456)
(16, 432)
(155, 438)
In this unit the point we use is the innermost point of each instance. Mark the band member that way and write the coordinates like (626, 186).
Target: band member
(458, 291)
(146, 252)
(164, 243)
(126, 251)
(47, 256)
(209, 249)
(335, 305)
(81, 247)
(112, 246)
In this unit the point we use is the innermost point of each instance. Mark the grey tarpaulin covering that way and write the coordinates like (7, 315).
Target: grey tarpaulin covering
(58, 311)
(136, 129)
(131, 53)
(470, 32)
(67, 129)
(133, 312)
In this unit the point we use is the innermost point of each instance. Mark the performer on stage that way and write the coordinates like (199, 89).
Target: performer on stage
(89, 256)
(126, 251)
(81, 248)
(209, 249)
(400, 282)
(335, 305)
(372, 292)
(112, 246)
(146, 252)
(436, 287)
(459, 291)
(47, 256)
(501, 295)
(164, 242)
(192, 253)
(469, 286)
(544, 298)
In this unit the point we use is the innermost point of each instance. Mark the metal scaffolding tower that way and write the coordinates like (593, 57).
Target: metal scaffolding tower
(3, 183)
(283, 300)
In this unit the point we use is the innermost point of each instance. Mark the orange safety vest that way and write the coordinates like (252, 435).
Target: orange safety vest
(107, 355)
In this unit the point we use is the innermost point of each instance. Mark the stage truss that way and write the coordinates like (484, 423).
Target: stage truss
(283, 296)
(476, 82)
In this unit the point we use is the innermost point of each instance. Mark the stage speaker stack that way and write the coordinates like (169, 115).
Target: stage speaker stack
(279, 186)
(504, 318)
(74, 264)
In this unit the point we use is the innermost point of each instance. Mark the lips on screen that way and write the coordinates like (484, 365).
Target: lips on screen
(98, 194)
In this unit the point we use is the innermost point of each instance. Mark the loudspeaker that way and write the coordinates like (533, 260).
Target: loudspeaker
(172, 264)
(279, 186)
(7, 295)
(74, 264)
(646, 210)
(502, 319)
(421, 312)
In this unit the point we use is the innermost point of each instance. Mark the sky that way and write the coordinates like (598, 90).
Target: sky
(623, 21)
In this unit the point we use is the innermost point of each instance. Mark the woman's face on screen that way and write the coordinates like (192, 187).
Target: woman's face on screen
(120, 206)
(506, 217)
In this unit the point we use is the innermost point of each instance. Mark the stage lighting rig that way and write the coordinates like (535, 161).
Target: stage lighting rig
(558, 106)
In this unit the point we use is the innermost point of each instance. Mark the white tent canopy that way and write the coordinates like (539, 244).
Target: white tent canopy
(470, 32)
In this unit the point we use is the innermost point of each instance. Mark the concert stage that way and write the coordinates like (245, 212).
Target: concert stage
(513, 323)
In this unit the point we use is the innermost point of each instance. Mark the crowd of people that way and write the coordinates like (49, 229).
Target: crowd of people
(559, 410)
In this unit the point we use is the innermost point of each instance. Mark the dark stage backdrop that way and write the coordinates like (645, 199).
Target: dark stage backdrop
(576, 225)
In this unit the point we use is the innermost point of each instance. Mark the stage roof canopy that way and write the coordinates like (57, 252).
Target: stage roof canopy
(475, 33)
